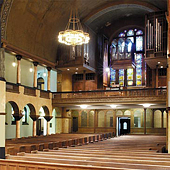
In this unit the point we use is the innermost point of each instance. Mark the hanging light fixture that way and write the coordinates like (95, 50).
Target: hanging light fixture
(74, 34)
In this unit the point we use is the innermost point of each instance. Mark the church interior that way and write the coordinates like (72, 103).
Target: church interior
(84, 84)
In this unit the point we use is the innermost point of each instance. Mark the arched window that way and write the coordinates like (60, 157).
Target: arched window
(128, 46)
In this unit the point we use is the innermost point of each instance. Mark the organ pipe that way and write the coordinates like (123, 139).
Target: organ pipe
(148, 34)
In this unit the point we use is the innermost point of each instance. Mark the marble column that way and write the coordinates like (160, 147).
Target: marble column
(144, 121)
(18, 117)
(34, 118)
(48, 118)
(35, 73)
(18, 68)
(49, 75)
(2, 103)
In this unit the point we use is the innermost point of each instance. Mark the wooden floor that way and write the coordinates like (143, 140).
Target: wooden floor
(125, 152)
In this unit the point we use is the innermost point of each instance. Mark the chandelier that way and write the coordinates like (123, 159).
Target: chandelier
(73, 34)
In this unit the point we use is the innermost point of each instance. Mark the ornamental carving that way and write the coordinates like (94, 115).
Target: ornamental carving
(4, 16)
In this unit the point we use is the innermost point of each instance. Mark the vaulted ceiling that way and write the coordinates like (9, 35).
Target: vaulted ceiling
(33, 25)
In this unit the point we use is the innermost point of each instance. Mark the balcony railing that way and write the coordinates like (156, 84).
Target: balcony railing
(29, 91)
(44, 94)
(145, 92)
(11, 87)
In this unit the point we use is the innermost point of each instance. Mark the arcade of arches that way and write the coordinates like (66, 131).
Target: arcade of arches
(44, 85)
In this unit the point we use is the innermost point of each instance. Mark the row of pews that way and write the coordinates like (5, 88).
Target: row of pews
(97, 152)
(53, 141)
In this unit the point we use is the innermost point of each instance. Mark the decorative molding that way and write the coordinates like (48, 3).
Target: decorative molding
(4, 16)
(2, 113)
(48, 118)
(18, 57)
(35, 63)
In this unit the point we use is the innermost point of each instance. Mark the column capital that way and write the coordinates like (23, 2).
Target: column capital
(35, 63)
(48, 118)
(17, 116)
(18, 57)
(34, 117)
(49, 68)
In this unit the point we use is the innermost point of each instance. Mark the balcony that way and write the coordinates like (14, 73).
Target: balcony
(157, 95)
(11, 87)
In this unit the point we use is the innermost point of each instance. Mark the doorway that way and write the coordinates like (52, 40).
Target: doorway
(123, 125)
(75, 124)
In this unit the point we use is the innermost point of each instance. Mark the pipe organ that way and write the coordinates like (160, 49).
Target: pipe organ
(156, 34)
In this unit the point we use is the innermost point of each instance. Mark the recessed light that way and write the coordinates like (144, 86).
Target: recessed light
(68, 69)
(162, 66)
(158, 62)
(76, 72)
(77, 68)
(113, 106)
(83, 106)
(107, 69)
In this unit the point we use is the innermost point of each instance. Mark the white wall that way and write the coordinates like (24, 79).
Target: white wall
(10, 71)
(27, 77)
(53, 81)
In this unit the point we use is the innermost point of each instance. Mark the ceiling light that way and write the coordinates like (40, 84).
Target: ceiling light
(77, 68)
(74, 34)
(107, 69)
(113, 106)
(76, 72)
(44, 74)
(68, 69)
(162, 66)
(31, 69)
(83, 106)
(158, 62)
(146, 105)
(14, 64)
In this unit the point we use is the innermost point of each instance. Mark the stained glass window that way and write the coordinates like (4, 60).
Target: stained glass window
(130, 77)
(112, 77)
(121, 48)
(114, 49)
(130, 33)
(139, 43)
(138, 60)
(121, 77)
(139, 32)
(121, 35)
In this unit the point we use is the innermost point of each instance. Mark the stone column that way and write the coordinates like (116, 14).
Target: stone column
(18, 68)
(35, 73)
(144, 121)
(2, 103)
(153, 118)
(84, 80)
(49, 75)
(17, 118)
(48, 118)
(34, 118)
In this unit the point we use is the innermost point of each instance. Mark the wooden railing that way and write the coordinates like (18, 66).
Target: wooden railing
(44, 94)
(29, 91)
(11, 87)
(144, 92)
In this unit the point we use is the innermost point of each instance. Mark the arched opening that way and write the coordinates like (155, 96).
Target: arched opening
(75, 115)
(84, 118)
(101, 119)
(109, 118)
(26, 121)
(40, 83)
(11, 108)
(157, 119)
(41, 122)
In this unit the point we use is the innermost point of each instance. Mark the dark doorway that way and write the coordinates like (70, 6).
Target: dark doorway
(124, 125)
(75, 124)
(39, 131)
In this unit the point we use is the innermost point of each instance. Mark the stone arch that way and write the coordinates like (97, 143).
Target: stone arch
(15, 107)
(32, 109)
(117, 5)
(46, 110)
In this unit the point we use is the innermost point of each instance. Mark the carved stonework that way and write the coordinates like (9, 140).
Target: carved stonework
(2, 63)
(4, 16)
(34, 117)
(17, 116)
(48, 118)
